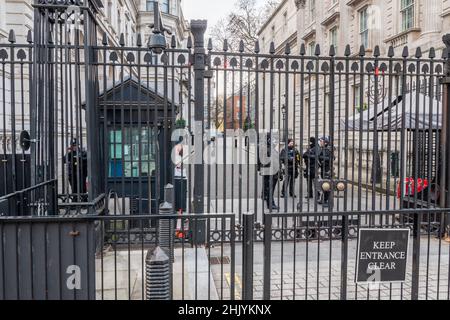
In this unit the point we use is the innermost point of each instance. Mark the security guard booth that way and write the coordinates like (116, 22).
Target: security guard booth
(135, 126)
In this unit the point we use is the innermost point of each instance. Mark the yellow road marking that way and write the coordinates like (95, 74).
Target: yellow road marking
(237, 282)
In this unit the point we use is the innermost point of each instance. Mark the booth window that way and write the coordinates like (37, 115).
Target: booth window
(126, 159)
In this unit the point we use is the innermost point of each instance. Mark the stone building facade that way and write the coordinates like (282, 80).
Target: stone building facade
(368, 23)
(281, 29)
(114, 18)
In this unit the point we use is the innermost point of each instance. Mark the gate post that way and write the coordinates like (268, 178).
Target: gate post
(247, 257)
(445, 173)
(198, 29)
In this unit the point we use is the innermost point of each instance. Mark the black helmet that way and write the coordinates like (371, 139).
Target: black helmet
(74, 142)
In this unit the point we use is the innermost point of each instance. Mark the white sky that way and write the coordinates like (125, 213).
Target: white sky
(212, 10)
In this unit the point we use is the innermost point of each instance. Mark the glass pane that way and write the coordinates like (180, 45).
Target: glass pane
(150, 5)
(138, 147)
(165, 6)
(115, 136)
(115, 151)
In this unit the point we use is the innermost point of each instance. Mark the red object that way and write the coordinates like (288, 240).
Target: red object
(411, 187)
(181, 230)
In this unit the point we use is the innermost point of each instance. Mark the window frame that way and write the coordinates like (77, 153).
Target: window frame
(165, 6)
(407, 12)
(127, 138)
(312, 48)
(149, 5)
(364, 31)
(334, 40)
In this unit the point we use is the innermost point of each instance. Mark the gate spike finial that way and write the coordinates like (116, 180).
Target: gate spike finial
(272, 48)
(12, 36)
(241, 46)
(348, 51)
(391, 52)
(139, 40)
(30, 36)
(50, 38)
(122, 40)
(173, 42)
(105, 39)
(210, 44)
(302, 49)
(362, 51)
(257, 49)
(225, 45)
(332, 51)
(287, 50)
(376, 51)
(317, 51)
(432, 54)
(418, 53)
(405, 53)
(189, 43)
(445, 54)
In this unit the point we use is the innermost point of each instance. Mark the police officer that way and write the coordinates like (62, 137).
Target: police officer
(311, 162)
(269, 169)
(290, 158)
(76, 160)
(325, 162)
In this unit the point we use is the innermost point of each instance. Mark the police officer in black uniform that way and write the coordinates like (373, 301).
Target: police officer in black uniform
(325, 161)
(76, 160)
(292, 166)
(310, 158)
(270, 174)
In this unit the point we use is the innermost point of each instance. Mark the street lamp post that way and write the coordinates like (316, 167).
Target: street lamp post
(198, 29)
(157, 42)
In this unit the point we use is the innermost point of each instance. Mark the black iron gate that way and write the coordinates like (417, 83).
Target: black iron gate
(304, 150)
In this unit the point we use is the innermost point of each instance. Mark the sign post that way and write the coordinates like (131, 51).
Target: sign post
(382, 255)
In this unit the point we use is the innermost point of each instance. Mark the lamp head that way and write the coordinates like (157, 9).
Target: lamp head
(157, 43)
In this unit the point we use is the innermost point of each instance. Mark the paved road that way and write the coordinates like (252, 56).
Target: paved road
(312, 271)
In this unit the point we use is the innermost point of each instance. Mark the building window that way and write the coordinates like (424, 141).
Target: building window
(119, 22)
(407, 12)
(357, 99)
(149, 5)
(312, 10)
(364, 28)
(312, 48)
(109, 12)
(334, 38)
(165, 6)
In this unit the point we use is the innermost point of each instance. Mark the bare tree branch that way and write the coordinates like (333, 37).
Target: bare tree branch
(242, 24)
